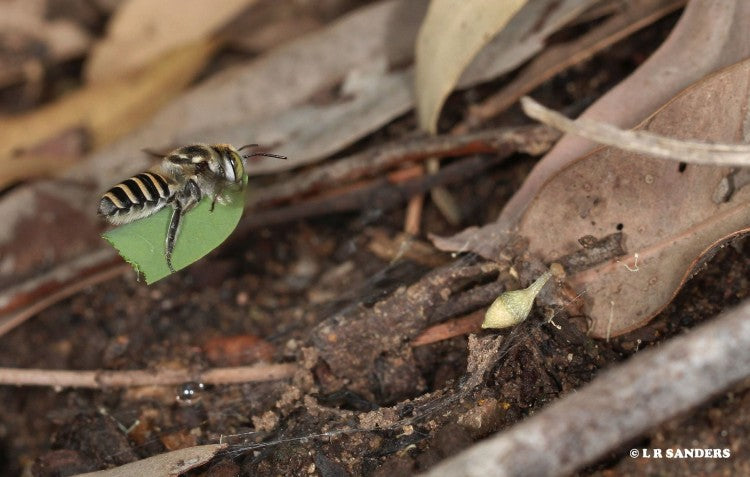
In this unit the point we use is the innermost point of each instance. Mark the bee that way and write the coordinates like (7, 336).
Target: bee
(182, 179)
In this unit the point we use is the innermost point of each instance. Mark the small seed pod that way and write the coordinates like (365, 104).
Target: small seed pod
(512, 307)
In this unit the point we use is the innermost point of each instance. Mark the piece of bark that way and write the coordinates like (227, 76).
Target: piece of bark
(351, 343)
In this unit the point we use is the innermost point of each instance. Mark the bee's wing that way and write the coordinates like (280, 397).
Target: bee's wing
(155, 154)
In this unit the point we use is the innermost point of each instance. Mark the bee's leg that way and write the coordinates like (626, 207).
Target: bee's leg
(216, 196)
(185, 201)
(190, 196)
(174, 228)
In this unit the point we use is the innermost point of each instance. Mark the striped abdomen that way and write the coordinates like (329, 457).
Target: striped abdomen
(135, 198)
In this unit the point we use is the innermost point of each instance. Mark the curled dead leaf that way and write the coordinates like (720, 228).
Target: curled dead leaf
(709, 36)
(453, 33)
(667, 212)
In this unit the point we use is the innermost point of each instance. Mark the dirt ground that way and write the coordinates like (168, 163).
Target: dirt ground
(261, 297)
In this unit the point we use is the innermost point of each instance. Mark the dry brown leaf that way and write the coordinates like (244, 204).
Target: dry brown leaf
(451, 35)
(710, 35)
(169, 464)
(143, 31)
(267, 25)
(670, 215)
(50, 159)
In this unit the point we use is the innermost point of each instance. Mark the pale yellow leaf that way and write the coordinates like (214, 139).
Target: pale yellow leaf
(452, 34)
(144, 30)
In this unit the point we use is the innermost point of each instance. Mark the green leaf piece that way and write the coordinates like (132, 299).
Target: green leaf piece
(142, 243)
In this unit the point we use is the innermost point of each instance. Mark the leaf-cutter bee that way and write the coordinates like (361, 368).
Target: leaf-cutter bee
(182, 178)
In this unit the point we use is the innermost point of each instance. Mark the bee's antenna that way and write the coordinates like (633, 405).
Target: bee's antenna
(266, 154)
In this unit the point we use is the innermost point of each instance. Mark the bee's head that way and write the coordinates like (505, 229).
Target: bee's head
(226, 162)
(223, 160)
(231, 163)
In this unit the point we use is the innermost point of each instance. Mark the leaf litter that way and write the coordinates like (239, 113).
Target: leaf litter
(614, 190)
(694, 49)
(138, 34)
(265, 95)
(520, 349)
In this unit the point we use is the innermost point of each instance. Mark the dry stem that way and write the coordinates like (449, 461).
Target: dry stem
(164, 377)
(642, 142)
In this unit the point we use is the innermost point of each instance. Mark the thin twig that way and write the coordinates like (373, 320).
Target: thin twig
(502, 141)
(470, 323)
(413, 219)
(163, 377)
(654, 386)
(642, 142)
(12, 320)
(377, 194)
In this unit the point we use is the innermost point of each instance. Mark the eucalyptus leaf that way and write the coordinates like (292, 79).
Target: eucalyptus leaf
(142, 242)
(451, 35)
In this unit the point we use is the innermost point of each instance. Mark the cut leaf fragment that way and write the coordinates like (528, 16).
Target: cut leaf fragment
(142, 243)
